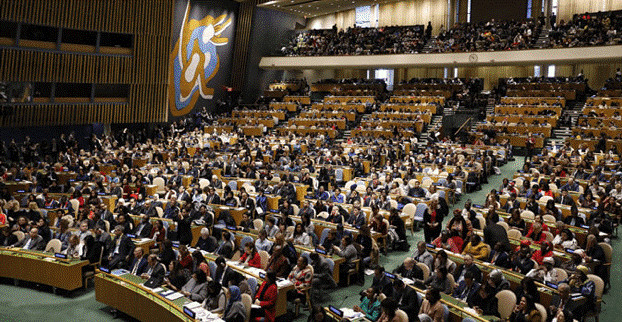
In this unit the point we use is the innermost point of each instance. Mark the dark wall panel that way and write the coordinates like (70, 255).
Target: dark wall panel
(503, 10)
(271, 29)
(201, 55)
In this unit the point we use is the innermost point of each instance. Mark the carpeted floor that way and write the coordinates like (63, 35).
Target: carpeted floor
(32, 303)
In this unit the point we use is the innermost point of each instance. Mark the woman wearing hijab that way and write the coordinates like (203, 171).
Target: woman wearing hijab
(235, 310)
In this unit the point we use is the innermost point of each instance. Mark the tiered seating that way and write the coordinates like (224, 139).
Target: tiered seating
(600, 126)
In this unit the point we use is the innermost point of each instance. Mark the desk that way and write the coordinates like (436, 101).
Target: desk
(534, 100)
(300, 99)
(32, 266)
(124, 294)
(300, 249)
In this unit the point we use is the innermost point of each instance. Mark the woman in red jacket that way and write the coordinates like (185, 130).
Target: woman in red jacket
(250, 256)
(266, 297)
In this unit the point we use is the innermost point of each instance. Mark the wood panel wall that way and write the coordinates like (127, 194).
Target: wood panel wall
(242, 42)
(150, 23)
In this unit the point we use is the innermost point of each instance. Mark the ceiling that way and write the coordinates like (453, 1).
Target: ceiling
(314, 8)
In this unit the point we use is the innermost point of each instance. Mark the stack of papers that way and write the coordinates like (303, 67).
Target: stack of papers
(174, 296)
(119, 272)
(350, 314)
(284, 283)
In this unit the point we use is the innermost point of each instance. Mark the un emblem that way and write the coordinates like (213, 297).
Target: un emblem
(194, 61)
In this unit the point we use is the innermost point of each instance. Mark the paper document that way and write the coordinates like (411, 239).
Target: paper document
(174, 296)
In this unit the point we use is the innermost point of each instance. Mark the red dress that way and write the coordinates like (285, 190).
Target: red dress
(253, 262)
(268, 300)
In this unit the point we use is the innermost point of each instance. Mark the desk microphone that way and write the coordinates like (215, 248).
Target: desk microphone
(344, 299)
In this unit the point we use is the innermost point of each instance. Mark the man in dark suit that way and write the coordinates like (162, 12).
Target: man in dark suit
(143, 229)
(565, 199)
(139, 263)
(562, 301)
(467, 289)
(406, 298)
(494, 233)
(122, 249)
(467, 266)
(226, 248)
(223, 272)
(31, 242)
(155, 271)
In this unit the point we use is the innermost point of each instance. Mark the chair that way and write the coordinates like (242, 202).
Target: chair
(545, 199)
(296, 209)
(203, 183)
(354, 270)
(505, 305)
(542, 311)
(562, 275)
(20, 235)
(527, 215)
(258, 224)
(54, 245)
(252, 284)
(514, 234)
(445, 313)
(247, 301)
(339, 175)
(236, 255)
(549, 236)
(159, 182)
(419, 212)
(75, 205)
(90, 274)
(401, 316)
(264, 258)
(393, 203)
(549, 219)
(426, 182)
(233, 185)
(323, 215)
(452, 282)
(608, 257)
(349, 184)
(245, 239)
(425, 269)
(504, 225)
(324, 234)
(598, 291)
(213, 268)
(290, 230)
(382, 297)
(482, 221)
(160, 211)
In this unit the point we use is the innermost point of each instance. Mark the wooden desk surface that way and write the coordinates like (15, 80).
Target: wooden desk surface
(125, 294)
(42, 268)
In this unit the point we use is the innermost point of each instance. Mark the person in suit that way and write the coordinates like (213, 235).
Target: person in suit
(196, 287)
(139, 263)
(565, 199)
(31, 242)
(499, 257)
(409, 269)
(122, 249)
(223, 272)
(406, 298)
(467, 289)
(226, 248)
(184, 221)
(155, 271)
(7, 238)
(561, 301)
(495, 233)
(467, 266)
(143, 229)
(104, 239)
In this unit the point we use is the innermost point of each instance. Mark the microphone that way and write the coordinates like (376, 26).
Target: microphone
(344, 299)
